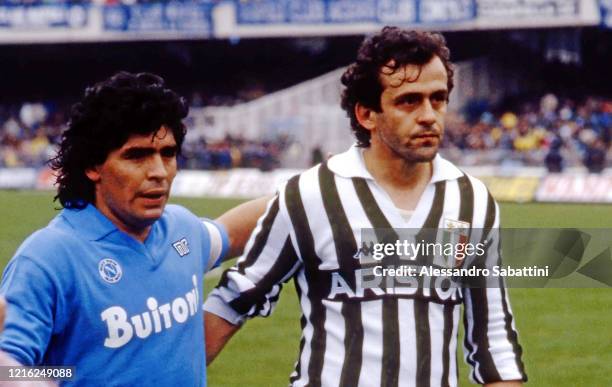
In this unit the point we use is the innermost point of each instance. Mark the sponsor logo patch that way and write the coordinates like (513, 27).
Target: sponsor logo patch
(181, 247)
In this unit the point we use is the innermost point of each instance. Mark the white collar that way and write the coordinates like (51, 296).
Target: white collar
(351, 164)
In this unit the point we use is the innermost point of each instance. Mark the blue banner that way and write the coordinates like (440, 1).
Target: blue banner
(353, 11)
(160, 17)
(43, 16)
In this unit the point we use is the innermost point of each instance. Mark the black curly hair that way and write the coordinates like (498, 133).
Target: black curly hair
(108, 114)
(392, 47)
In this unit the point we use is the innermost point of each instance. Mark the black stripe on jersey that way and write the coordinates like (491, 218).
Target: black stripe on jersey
(346, 246)
(466, 193)
(480, 335)
(447, 356)
(305, 241)
(423, 342)
(298, 366)
(391, 340)
(262, 237)
(468, 345)
(283, 264)
(421, 307)
(344, 240)
(480, 312)
(466, 214)
(260, 241)
(435, 213)
(490, 216)
(512, 335)
(432, 221)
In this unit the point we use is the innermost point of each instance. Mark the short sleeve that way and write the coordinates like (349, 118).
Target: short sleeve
(252, 286)
(218, 240)
(30, 296)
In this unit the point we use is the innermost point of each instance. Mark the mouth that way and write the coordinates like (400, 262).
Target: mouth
(426, 139)
(427, 136)
(154, 197)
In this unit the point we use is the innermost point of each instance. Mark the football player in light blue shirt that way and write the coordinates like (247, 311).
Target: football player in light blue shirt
(113, 285)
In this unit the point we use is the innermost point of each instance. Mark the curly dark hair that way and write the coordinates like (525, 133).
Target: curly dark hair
(392, 46)
(108, 114)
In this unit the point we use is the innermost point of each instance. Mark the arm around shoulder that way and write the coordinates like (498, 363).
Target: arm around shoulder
(240, 221)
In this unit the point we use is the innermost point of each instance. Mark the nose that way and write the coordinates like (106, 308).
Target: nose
(427, 115)
(157, 168)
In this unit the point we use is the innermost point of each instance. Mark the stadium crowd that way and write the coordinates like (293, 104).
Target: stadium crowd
(550, 131)
(29, 134)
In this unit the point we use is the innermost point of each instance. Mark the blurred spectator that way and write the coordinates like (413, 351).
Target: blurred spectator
(554, 159)
(316, 156)
(595, 156)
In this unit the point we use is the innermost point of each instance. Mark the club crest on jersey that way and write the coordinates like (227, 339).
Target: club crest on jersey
(181, 247)
(456, 232)
(110, 270)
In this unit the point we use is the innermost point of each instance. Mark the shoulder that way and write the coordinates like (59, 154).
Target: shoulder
(478, 186)
(302, 184)
(55, 240)
(47, 256)
(468, 185)
(175, 214)
(177, 211)
(484, 206)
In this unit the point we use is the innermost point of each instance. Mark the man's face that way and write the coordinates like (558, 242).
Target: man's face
(413, 105)
(133, 183)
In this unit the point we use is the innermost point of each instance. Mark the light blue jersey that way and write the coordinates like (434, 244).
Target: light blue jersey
(82, 293)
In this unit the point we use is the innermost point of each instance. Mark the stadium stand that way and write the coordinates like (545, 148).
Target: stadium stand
(288, 125)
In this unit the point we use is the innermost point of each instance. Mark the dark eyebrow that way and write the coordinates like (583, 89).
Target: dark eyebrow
(138, 151)
(169, 149)
(440, 93)
(406, 96)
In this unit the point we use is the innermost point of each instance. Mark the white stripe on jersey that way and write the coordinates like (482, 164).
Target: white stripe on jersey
(352, 205)
(436, 314)
(270, 252)
(496, 330)
(318, 221)
(452, 369)
(371, 318)
(306, 333)
(334, 344)
(216, 243)
(408, 347)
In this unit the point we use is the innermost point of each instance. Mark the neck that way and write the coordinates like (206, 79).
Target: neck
(392, 170)
(140, 233)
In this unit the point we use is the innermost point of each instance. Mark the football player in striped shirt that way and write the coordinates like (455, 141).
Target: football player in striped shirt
(396, 96)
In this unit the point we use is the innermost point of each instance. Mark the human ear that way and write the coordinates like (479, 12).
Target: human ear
(93, 174)
(365, 116)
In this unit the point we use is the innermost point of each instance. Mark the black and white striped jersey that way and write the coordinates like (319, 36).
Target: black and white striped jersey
(369, 337)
